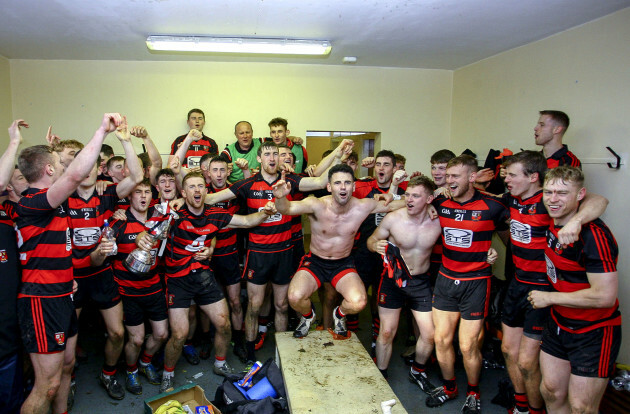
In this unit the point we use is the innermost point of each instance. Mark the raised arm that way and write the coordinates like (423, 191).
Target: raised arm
(83, 163)
(254, 219)
(7, 161)
(126, 186)
(281, 189)
(343, 149)
(152, 151)
(193, 135)
(592, 207)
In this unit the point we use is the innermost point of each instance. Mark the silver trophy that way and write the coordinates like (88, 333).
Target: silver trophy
(140, 261)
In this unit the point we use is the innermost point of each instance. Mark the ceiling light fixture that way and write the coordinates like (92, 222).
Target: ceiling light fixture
(244, 45)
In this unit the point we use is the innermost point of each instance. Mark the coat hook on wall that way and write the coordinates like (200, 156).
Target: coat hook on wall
(616, 167)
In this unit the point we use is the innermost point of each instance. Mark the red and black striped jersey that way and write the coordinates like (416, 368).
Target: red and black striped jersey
(563, 157)
(189, 234)
(197, 149)
(226, 238)
(529, 222)
(594, 252)
(368, 188)
(45, 246)
(86, 219)
(5, 216)
(467, 230)
(131, 284)
(123, 203)
(274, 234)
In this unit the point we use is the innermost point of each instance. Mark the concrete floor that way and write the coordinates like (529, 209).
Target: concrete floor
(92, 398)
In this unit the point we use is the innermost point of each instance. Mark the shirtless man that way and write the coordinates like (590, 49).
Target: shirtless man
(412, 231)
(335, 220)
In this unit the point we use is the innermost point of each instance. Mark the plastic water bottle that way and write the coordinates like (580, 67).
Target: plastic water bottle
(108, 234)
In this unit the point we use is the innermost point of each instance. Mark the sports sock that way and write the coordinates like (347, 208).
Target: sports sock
(219, 361)
(250, 346)
(309, 315)
(145, 359)
(520, 400)
(339, 313)
(169, 372)
(109, 370)
(417, 368)
(384, 372)
(450, 385)
(132, 368)
(262, 323)
(473, 388)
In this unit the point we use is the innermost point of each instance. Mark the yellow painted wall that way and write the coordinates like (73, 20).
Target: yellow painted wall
(5, 102)
(584, 72)
(410, 107)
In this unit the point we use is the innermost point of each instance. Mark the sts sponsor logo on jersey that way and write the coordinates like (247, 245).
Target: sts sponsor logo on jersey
(551, 270)
(458, 237)
(520, 232)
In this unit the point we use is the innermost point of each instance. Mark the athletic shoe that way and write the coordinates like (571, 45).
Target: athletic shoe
(73, 390)
(515, 410)
(113, 387)
(206, 347)
(260, 340)
(150, 372)
(167, 383)
(439, 396)
(472, 404)
(240, 351)
(422, 380)
(132, 383)
(305, 324)
(191, 355)
(223, 370)
(339, 324)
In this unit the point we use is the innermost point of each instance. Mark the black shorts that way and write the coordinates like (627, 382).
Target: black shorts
(470, 298)
(369, 266)
(226, 268)
(518, 312)
(100, 290)
(325, 270)
(591, 354)
(137, 308)
(200, 286)
(415, 293)
(298, 253)
(46, 323)
(263, 267)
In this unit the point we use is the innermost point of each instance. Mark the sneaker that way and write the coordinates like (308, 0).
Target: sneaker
(422, 380)
(113, 387)
(150, 372)
(439, 396)
(472, 405)
(305, 324)
(167, 383)
(191, 355)
(240, 351)
(223, 371)
(73, 390)
(339, 324)
(206, 347)
(132, 383)
(260, 340)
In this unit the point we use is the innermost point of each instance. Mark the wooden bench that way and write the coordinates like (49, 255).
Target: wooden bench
(322, 375)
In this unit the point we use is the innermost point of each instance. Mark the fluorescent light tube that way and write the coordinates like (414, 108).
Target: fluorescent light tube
(244, 45)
